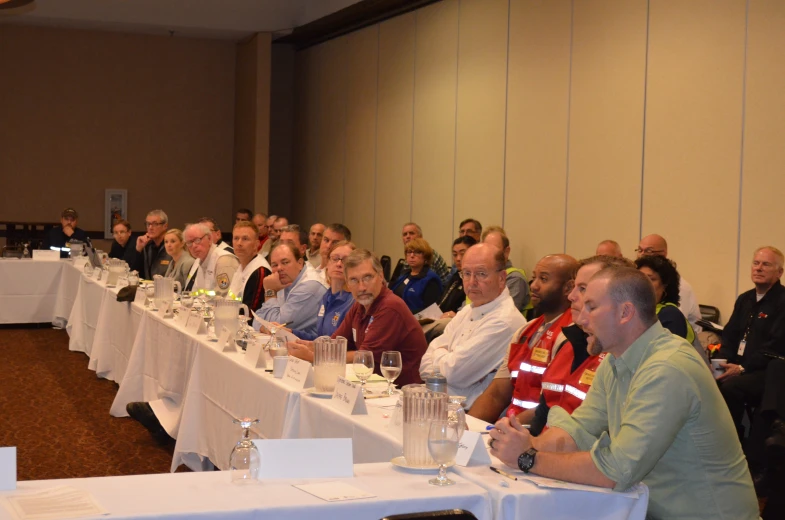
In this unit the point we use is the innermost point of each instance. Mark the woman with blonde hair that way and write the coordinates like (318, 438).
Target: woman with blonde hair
(181, 262)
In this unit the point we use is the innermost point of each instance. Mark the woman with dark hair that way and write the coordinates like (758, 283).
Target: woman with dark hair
(420, 286)
(665, 279)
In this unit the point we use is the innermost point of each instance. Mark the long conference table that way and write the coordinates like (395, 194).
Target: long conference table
(196, 390)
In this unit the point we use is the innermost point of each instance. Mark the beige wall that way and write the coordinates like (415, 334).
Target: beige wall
(83, 111)
(566, 122)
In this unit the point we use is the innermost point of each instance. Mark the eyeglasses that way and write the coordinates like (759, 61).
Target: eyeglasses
(649, 251)
(336, 259)
(153, 224)
(480, 276)
(195, 241)
(368, 278)
(412, 252)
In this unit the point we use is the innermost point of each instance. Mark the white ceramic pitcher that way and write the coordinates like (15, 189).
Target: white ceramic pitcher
(227, 312)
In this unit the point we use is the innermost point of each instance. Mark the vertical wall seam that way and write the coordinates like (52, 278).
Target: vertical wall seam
(455, 132)
(376, 134)
(506, 115)
(345, 130)
(645, 107)
(743, 135)
(569, 109)
(414, 93)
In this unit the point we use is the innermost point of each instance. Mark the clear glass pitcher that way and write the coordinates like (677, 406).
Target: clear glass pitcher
(225, 315)
(329, 362)
(164, 290)
(420, 407)
(117, 269)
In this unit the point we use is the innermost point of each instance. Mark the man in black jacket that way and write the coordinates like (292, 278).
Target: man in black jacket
(61, 236)
(756, 326)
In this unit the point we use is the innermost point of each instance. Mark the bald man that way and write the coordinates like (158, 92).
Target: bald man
(609, 248)
(688, 303)
(518, 380)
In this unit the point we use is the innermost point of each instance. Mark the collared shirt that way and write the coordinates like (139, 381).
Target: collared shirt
(215, 273)
(387, 325)
(296, 305)
(472, 346)
(330, 316)
(655, 415)
(315, 259)
(237, 287)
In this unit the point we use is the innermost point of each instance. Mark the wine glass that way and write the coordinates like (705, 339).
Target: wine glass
(391, 366)
(363, 367)
(187, 299)
(244, 461)
(149, 291)
(455, 412)
(245, 334)
(443, 446)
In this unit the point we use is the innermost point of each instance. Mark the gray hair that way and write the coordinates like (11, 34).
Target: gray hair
(627, 284)
(205, 230)
(359, 256)
(159, 214)
(419, 229)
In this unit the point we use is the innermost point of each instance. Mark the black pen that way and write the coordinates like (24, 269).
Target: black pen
(503, 473)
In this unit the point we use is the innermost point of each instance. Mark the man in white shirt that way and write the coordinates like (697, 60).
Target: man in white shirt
(214, 267)
(313, 254)
(332, 234)
(656, 245)
(475, 341)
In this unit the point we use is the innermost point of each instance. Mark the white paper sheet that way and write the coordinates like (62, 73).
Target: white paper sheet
(432, 312)
(560, 484)
(280, 332)
(58, 502)
(334, 491)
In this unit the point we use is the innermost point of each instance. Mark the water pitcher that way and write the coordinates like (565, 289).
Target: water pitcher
(226, 313)
(164, 290)
(420, 407)
(329, 362)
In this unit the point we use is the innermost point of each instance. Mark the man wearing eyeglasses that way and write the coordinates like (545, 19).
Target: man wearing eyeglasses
(214, 267)
(474, 342)
(518, 380)
(411, 231)
(379, 320)
(688, 303)
(149, 257)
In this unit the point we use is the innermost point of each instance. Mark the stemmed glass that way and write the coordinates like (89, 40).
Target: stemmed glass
(363, 367)
(443, 439)
(244, 461)
(187, 299)
(391, 366)
(149, 291)
(245, 334)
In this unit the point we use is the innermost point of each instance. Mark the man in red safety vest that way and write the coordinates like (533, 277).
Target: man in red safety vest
(518, 379)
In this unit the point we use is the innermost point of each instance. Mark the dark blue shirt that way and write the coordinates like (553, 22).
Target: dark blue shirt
(331, 313)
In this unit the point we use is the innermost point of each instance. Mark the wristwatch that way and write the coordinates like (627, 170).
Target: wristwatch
(526, 460)
(269, 293)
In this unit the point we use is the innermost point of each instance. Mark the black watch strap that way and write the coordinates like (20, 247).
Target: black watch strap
(526, 460)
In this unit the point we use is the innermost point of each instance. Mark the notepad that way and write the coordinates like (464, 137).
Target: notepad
(334, 491)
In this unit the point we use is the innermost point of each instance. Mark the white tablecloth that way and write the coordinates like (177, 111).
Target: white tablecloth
(158, 370)
(115, 332)
(29, 290)
(210, 495)
(222, 387)
(83, 320)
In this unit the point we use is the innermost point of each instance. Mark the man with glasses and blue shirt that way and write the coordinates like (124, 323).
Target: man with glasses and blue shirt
(214, 267)
(475, 341)
(149, 257)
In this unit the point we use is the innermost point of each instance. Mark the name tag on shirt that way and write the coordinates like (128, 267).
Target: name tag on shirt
(742, 346)
(587, 378)
(540, 354)
(321, 311)
(164, 262)
(406, 282)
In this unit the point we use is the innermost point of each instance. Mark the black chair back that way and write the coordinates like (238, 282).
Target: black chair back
(386, 265)
(447, 514)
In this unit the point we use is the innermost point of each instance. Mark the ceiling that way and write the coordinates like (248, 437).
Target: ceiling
(224, 19)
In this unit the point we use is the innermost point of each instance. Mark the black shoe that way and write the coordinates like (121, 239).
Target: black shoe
(144, 415)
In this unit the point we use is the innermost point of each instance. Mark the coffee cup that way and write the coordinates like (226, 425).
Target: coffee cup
(715, 367)
(279, 366)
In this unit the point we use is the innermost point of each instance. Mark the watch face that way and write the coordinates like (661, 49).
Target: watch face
(526, 460)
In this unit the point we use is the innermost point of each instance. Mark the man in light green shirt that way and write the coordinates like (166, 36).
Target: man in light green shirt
(653, 414)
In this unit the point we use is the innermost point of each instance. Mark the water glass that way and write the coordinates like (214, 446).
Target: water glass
(244, 462)
(363, 367)
(391, 366)
(443, 439)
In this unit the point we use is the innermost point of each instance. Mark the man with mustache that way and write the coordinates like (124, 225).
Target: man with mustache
(517, 381)
(653, 414)
(379, 320)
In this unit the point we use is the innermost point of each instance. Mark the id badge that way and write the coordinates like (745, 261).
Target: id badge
(742, 346)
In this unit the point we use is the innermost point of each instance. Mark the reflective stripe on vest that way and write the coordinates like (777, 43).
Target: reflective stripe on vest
(524, 404)
(574, 391)
(513, 374)
(526, 367)
(553, 387)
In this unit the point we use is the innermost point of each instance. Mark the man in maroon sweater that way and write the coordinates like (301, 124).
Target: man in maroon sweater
(379, 320)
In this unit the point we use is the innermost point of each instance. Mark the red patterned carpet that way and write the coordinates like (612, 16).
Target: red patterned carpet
(56, 412)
